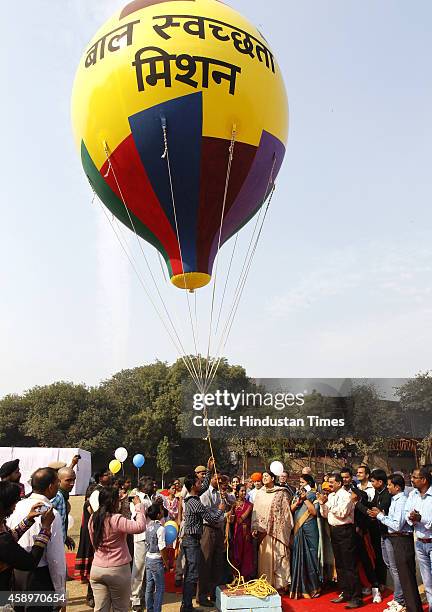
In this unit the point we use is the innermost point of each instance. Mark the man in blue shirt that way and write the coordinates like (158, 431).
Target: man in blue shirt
(60, 502)
(399, 545)
(418, 512)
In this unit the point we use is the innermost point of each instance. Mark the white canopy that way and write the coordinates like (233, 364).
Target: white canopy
(33, 458)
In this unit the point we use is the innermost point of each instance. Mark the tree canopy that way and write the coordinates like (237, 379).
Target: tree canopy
(147, 410)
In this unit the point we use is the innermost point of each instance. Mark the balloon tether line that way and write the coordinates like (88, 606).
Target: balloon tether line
(259, 587)
(165, 156)
(177, 343)
(141, 281)
(111, 167)
(227, 179)
(243, 275)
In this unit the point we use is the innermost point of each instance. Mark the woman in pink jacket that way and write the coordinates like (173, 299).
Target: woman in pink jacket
(110, 575)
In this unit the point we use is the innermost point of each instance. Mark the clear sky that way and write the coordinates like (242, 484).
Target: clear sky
(341, 284)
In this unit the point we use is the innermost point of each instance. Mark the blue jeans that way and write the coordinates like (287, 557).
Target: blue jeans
(424, 557)
(389, 560)
(192, 552)
(155, 585)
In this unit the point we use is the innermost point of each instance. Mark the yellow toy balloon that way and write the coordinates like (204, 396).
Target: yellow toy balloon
(114, 466)
(172, 523)
(181, 118)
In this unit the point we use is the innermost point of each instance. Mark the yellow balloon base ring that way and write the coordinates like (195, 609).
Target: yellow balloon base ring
(191, 280)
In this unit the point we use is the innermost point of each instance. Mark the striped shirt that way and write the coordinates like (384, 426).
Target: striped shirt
(196, 513)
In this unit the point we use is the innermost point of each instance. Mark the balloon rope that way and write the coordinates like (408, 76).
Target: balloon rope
(227, 179)
(179, 348)
(260, 587)
(164, 274)
(230, 320)
(165, 156)
(226, 281)
(249, 264)
(243, 277)
(199, 356)
(111, 167)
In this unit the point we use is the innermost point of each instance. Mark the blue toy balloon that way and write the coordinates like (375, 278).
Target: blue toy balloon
(138, 460)
(170, 534)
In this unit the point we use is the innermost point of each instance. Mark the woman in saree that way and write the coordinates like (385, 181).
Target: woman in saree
(305, 571)
(241, 547)
(272, 524)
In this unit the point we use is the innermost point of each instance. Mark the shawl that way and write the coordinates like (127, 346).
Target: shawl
(280, 521)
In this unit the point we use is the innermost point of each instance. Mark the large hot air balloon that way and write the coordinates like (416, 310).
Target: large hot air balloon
(180, 114)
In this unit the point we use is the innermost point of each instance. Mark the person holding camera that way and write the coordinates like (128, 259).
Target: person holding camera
(50, 574)
(12, 555)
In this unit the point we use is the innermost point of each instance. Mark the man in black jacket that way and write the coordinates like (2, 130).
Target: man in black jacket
(377, 530)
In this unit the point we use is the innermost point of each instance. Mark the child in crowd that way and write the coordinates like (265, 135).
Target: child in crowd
(156, 559)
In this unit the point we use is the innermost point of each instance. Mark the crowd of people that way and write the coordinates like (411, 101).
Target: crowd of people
(354, 529)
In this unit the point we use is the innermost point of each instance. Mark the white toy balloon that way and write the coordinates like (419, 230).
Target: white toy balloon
(94, 500)
(277, 468)
(70, 521)
(121, 454)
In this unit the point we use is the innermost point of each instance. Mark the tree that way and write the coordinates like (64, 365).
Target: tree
(98, 427)
(416, 404)
(13, 414)
(164, 457)
(52, 410)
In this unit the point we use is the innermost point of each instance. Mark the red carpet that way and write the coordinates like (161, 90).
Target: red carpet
(320, 604)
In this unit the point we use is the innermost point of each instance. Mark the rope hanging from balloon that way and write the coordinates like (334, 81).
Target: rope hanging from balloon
(165, 155)
(135, 268)
(227, 178)
(259, 587)
(190, 367)
(242, 278)
(212, 365)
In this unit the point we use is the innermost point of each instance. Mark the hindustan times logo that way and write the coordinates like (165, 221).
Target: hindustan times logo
(232, 401)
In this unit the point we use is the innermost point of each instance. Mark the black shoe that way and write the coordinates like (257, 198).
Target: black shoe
(355, 603)
(340, 599)
(206, 603)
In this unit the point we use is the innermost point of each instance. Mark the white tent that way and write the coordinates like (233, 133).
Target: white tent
(33, 458)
